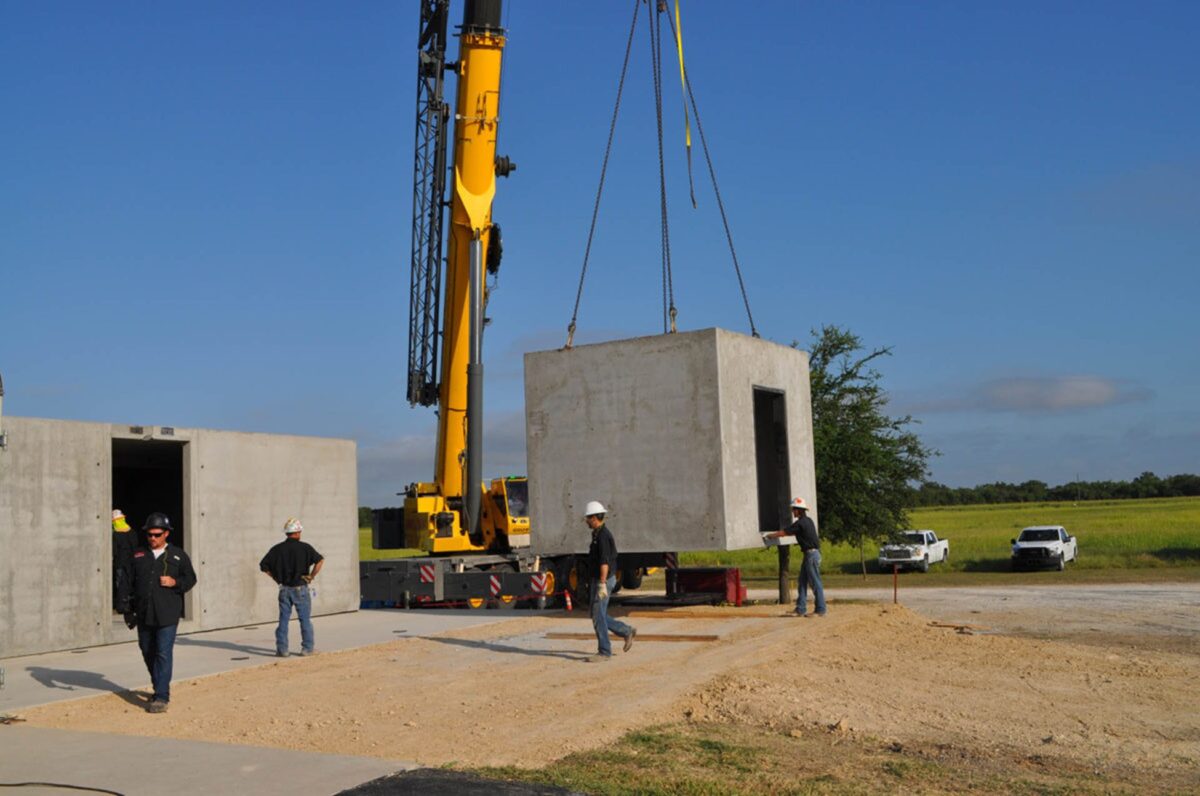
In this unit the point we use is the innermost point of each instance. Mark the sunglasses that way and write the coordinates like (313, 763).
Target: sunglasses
(156, 535)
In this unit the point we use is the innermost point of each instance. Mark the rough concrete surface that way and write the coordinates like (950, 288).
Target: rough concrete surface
(662, 431)
(56, 496)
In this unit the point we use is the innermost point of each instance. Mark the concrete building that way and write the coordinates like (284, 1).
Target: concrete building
(694, 441)
(227, 494)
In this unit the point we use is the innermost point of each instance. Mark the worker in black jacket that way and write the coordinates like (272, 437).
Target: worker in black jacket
(162, 574)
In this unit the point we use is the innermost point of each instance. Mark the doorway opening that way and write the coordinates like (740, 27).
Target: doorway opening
(147, 476)
(771, 459)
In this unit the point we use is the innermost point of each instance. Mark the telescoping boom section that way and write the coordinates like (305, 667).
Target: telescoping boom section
(455, 513)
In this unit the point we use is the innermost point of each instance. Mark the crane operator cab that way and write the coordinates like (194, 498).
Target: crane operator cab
(434, 524)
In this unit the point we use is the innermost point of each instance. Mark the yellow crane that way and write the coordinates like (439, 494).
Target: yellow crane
(453, 513)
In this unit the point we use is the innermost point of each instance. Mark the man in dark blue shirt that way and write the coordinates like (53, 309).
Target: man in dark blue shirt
(602, 563)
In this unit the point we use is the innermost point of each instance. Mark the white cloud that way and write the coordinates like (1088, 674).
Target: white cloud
(1039, 395)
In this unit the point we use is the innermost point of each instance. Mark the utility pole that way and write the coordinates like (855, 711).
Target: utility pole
(785, 555)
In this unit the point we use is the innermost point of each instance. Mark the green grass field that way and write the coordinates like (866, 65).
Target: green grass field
(1112, 534)
(1118, 540)
(367, 553)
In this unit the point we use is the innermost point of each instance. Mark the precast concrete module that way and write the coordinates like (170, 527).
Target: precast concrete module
(693, 441)
(227, 494)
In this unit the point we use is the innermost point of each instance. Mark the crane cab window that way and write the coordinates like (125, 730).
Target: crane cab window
(517, 494)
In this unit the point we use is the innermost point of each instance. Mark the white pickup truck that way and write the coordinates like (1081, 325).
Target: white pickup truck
(917, 550)
(1044, 546)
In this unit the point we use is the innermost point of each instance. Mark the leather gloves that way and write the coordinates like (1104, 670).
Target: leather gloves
(130, 620)
(602, 591)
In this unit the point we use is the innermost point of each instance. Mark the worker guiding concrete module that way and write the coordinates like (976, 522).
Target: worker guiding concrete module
(602, 563)
(293, 564)
(805, 531)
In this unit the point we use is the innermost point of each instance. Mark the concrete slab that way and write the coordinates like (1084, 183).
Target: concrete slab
(694, 441)
(56, 676)
(130, 765)
(113, 762)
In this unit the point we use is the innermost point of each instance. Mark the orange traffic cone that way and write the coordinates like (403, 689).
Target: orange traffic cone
(567, 597)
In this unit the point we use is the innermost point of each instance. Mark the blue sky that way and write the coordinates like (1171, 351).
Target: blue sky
(205, 215)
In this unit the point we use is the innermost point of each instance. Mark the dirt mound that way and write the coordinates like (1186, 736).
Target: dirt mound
(892, 674)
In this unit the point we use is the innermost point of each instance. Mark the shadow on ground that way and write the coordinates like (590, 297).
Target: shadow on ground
(192, 641)
(440, 782)
(78, 679)
(492, 646)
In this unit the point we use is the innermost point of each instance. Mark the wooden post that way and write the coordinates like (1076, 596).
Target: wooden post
(895, 584)
(785, 591)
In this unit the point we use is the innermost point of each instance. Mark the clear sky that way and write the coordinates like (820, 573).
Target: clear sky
(205, 214)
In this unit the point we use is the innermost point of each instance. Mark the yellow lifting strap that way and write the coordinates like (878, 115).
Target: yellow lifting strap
(687, 125)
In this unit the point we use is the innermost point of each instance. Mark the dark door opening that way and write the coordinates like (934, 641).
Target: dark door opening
(771, 459)
(147, 476)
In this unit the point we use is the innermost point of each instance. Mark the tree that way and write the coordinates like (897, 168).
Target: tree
(866, 461)
(364, 517)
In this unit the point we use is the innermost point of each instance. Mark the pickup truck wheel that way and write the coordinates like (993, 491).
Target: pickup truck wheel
(1062, 562)
(925, 563)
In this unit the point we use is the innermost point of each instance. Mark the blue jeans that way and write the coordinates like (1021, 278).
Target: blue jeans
(300, 597)
(810, 573)
(158, 651)
(602, 621)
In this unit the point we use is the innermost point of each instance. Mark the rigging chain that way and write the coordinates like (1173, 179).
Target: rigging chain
(612, 126)
(712, 173)
(669, 310)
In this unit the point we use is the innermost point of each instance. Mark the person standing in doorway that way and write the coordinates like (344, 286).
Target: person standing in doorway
(162, 574)
(602, 564)
(805, 531)
(123, 543)
(293, 564)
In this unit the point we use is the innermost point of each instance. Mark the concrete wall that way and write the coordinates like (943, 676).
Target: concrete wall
(54, 540)
(661, 430)
(56, 487)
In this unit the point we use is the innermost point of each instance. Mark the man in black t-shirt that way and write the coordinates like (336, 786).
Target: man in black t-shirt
(805, 532)
(602, 563)
(293, 564)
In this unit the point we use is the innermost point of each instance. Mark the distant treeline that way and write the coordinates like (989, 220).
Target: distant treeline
(1146, 485)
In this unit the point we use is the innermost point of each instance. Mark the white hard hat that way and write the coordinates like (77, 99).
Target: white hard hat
(293, 526)
(594, 507)
(798, 503)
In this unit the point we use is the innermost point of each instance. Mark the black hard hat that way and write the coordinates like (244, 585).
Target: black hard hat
(157, 520)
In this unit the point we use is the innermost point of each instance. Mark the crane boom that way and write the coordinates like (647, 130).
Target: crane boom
(429, 199)
(447, 515)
